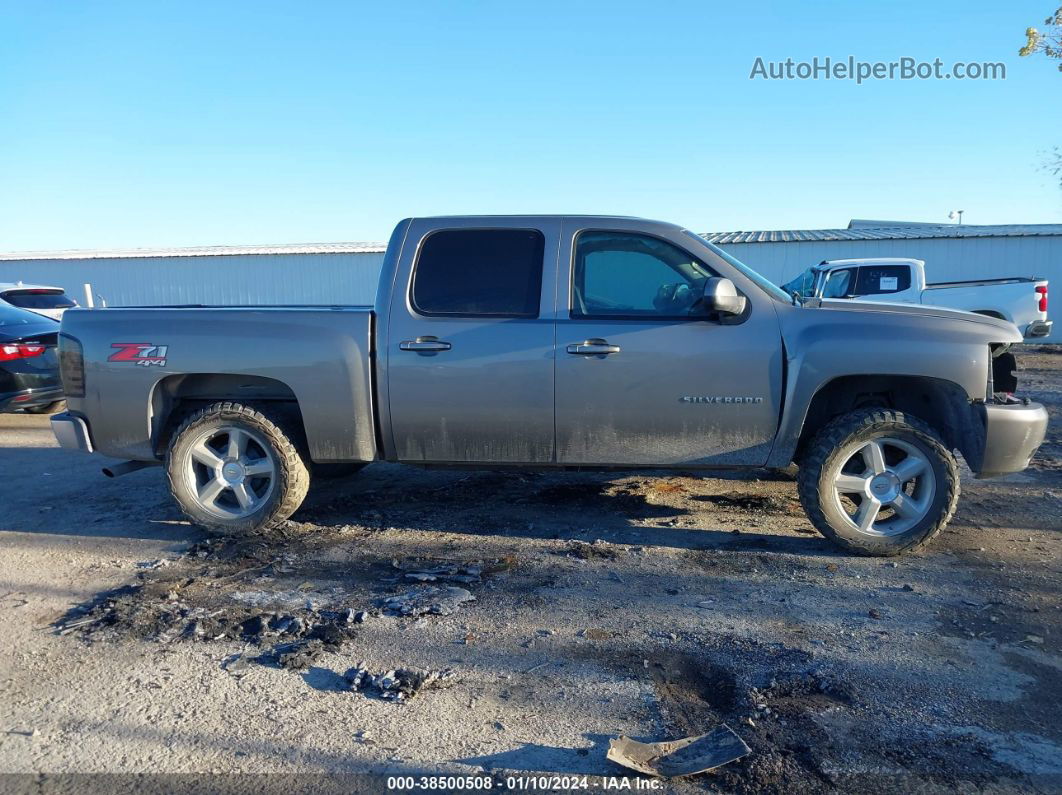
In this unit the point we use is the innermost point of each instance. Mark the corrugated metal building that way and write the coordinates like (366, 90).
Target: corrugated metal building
(951, 252)
(346, 273)
(330, 273)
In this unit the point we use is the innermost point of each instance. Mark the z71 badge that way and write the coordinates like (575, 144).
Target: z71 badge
(142, 353)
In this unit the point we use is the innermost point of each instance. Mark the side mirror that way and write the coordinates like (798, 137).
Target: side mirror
(720, 295)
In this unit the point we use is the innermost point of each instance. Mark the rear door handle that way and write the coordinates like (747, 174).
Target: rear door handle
(594, 347)
(424, 345)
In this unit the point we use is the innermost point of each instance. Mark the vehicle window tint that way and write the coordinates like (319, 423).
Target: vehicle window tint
(617, 274)
(879, 279)
(479, 272)
(38, 299)
(837, 284)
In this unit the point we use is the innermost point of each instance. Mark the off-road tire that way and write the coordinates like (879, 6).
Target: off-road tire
(814, 480)
(293, 476)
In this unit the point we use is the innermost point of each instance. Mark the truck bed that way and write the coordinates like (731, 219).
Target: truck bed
(984, 282)
(319, 355)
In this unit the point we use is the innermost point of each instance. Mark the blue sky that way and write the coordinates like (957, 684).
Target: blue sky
(188, 123)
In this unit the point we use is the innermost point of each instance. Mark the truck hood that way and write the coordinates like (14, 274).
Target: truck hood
(1001, 330)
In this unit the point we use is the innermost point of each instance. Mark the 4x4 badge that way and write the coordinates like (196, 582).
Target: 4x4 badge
(142, 353)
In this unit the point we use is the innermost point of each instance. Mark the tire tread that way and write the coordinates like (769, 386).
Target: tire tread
(832, 436)
(294, 479)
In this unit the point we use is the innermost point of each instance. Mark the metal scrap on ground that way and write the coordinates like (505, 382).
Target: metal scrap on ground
(683, 757)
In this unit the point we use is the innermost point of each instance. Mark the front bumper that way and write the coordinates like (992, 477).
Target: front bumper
(1012, 434)
(71, 432)
(1038, 328)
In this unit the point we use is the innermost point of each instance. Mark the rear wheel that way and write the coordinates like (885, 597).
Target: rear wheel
(878, 482)
(233, 469)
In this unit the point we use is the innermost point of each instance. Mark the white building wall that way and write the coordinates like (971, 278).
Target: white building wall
(242, 279)
(947, 259)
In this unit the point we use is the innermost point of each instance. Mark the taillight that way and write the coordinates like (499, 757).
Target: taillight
(71, 366)
(1042, 292)
(20, 350)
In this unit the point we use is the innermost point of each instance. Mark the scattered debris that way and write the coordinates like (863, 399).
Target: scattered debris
(683, 757)
(439, 600)
(466, 572)
(875, 613)
(400, 684)
(236, 664)
(297, 656)
(153, 564)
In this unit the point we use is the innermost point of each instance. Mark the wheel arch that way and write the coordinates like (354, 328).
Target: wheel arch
(943, 404)
(177, 396)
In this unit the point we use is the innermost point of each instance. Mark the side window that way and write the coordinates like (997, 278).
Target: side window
(479, 273)
(879, 279)
(837, 284)
(618, 274)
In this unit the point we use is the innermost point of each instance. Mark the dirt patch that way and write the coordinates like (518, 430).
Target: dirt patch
(651, 604)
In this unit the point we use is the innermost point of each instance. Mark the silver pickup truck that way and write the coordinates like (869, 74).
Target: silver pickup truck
(554, 341)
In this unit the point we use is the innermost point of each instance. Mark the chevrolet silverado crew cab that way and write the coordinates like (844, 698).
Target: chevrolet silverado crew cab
(1021, 300)
(549, 341)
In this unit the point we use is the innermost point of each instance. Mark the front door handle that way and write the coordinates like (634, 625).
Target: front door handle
(424, 345)
(594, 347)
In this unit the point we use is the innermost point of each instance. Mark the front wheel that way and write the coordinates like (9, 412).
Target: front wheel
(878, 482)
(234, 470)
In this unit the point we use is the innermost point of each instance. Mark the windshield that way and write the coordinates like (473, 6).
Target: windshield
(803, 285)
(767, 286)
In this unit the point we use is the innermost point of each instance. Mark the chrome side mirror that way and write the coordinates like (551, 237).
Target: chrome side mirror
(720, 295)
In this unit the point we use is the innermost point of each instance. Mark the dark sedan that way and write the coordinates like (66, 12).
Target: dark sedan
(29, 366)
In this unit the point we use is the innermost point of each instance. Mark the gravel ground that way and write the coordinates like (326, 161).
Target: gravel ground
(655, 605)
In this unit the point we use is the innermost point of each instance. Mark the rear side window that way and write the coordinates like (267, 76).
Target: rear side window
(881, 279)
(38, 299)
(479, 272)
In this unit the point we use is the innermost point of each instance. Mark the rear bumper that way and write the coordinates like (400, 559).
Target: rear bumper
(1012, 435)
(71, 432)
(28, 398)
(1038, 328)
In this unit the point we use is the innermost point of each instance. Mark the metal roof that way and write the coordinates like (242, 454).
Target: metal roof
(896, 232)
(200, 251)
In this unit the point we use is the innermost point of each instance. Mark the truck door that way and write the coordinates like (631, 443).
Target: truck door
(643, 377)
(470, 343)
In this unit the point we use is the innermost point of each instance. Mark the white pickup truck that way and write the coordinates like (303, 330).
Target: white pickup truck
(1021, 300)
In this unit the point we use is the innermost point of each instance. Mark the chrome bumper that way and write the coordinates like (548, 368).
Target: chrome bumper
(1038, 328)
(71, 432)
(1012, 435)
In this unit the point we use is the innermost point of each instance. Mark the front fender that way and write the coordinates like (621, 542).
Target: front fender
(827, 343)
